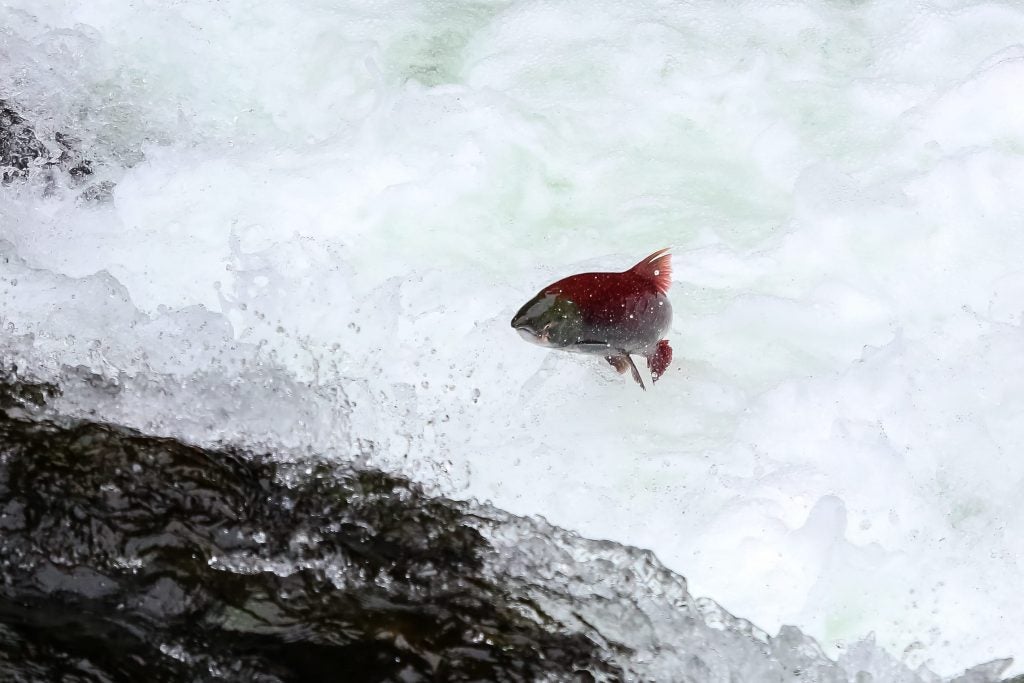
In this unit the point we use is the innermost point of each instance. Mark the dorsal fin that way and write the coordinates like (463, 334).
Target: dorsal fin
(658, 268)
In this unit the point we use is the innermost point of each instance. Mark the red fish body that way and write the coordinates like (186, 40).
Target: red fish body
(609, 314)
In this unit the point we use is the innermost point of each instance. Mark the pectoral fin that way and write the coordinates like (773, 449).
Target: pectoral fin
(620, 363)
(636, 373)
(623, 363)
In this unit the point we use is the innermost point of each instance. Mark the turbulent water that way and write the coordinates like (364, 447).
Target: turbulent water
(128, 556)
(302, 228)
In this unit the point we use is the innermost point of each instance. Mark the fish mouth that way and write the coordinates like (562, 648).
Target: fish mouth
(529, 333)
(539, 338)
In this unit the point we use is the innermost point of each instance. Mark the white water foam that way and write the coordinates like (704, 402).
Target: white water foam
(363, 193)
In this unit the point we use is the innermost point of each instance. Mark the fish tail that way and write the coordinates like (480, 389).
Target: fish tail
(658, 360)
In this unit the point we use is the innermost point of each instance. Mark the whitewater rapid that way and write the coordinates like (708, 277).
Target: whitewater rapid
(321, 199)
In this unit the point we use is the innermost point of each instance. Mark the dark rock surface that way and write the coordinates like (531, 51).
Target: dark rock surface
(130, 557)
(19, 146)
(125, 557)
(22, 154)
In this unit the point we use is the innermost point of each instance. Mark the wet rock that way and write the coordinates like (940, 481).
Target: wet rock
(22, 154)
(16, 394)
(126, 557)
(19, 146)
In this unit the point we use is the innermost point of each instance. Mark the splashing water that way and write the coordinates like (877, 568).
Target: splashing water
(323, 215)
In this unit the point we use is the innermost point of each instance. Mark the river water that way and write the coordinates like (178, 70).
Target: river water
(306, 226)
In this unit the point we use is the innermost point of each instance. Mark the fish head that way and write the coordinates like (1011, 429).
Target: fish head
(549, 319)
